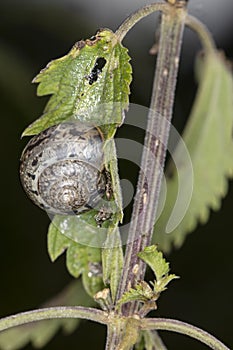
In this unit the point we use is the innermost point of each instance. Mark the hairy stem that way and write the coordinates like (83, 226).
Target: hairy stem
(203, 33)
(137, 16)
(155, 147)
(113, 335)
(53, 312)
(183, 328)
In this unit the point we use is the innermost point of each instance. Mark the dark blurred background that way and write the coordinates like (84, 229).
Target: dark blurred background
(32, 32)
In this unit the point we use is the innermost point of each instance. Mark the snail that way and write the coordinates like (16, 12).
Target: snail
(62, 169)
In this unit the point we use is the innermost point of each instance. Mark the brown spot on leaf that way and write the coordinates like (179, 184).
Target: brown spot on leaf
(80, 44)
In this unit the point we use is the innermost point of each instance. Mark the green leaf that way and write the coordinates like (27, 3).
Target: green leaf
(86, 260)
(41, 332)
(91, 282)
(152, 257)
(110, 160)
(83, 241)
(112, 260)
(90, 83)
(57, 243)
(142, 292)
(112, 253)
(161, 285)
(81, 229)
(208, 137)
(76, 259)
(81, 259)
(140, 345)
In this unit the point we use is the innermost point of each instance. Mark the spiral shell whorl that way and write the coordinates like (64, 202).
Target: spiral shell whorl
(62, 168)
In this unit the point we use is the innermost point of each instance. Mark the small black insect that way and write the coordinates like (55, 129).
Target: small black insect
(98, 67)
(103, 215)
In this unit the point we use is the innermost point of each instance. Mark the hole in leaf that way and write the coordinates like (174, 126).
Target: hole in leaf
(98, 67)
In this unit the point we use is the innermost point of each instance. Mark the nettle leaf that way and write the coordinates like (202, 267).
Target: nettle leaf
(140, 345)
(112, 253)
(93, 280)
(153, 258)
(41, 332)
(142, 291)
(86, 261)
(161, 285)
(110, 160)
(208, 137)
(57, 243)
(82, 229)
(90, 83)
(112, 260)
(83, 242)
(81, 259)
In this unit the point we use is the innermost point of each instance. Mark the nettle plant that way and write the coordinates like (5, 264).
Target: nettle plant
(69, 168)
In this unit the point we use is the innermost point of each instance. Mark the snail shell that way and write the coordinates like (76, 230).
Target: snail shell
(62, 168)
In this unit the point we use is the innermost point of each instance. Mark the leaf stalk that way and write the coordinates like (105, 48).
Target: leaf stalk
(53, 312)
(135, 17)
(202, 31)
(183, 328)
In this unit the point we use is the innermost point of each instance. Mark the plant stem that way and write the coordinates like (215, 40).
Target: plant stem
(137, 16)
(113, 333)
(155, 147)
(149, 182)
(53, 312)
(202, 31)
(183, 328)
(145, 203)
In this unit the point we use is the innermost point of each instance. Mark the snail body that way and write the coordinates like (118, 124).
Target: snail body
(62, 168)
